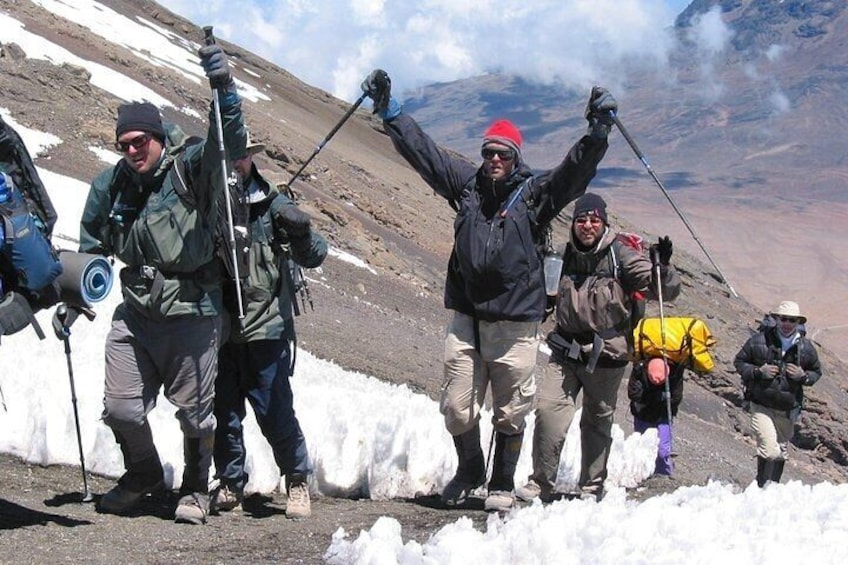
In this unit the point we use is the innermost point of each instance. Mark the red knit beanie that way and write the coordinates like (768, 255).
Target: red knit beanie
(505, 133)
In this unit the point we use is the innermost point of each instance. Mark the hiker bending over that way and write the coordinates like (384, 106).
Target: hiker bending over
(495, 283)
(157, 211)
(590, 345)
(257, 360)
(648, 403)
(775, 365)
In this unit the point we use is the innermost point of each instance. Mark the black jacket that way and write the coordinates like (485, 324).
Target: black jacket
(647, 400)
(781, 392)
(495, 269)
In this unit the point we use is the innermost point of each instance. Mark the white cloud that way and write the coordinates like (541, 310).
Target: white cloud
(334, 45)
(712, 36)
(780, 102)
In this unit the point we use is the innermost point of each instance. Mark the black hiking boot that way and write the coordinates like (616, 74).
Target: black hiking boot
(471, 471)
(507, 450)
(144, 478)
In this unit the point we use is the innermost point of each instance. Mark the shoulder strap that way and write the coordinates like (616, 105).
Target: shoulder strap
(181, 174)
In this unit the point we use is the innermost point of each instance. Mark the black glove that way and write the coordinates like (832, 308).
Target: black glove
(378, 87)
(214, 63)
(63, 318)
(295, 221)
(662, 251)
(599, 112)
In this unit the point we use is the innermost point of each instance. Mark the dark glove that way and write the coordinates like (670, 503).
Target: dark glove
(378, 87)
(296, 222)
(214, 63)
(599, 112)
(768, 371)
(662, 250)
(795, 372)
(63, 318)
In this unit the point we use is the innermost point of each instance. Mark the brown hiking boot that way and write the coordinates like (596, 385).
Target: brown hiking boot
(298, 505)
(192, 509)
(224, 499)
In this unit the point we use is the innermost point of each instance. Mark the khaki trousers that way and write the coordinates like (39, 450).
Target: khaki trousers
(773, 430)
(506, 360)
(556, 397)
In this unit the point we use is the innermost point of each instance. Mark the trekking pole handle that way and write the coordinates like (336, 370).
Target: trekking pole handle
(62, 313)
(208, 36)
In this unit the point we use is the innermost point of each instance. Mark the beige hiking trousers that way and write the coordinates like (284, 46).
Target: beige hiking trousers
(773, 429)
(559, 385)
(506, 360)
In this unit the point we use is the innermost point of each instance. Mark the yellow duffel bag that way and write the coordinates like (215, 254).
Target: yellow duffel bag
(687, 340)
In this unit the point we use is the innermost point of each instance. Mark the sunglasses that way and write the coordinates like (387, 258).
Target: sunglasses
(137, 142)
(503, 154)
(593, 220)
(787, 319)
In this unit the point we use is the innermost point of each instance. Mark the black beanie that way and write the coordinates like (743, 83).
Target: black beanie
(590, 204)
(139, 116)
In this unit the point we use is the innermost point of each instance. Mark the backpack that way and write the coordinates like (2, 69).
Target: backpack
(17, 163)
(637, 297)
(28, 258)
(687, 341)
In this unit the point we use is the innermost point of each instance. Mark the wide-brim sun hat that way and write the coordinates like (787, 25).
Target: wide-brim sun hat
(253, 147)
(788, 309)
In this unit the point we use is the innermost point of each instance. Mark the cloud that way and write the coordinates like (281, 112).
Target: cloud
(711, 36)
(336, 43)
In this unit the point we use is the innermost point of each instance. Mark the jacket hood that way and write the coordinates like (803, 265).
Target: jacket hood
(502, 189)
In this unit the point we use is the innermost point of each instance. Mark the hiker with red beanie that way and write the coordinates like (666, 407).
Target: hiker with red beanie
(495, 282)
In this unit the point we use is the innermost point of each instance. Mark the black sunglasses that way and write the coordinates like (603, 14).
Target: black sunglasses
(504, 154)
(788, 319)
(138, 142)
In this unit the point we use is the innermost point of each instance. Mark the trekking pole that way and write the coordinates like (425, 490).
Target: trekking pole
(655, 257)
(209, 39)
(333, 131)
(489, 456)
(62, 314)
(642, 158)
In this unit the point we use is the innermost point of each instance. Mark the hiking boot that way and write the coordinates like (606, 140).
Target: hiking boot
(224, 499)
(529, 491)
(298, 505)
(501, 485)
(499, 501)
(471, 471)
(457, 491)
(192, 509)
(594, 493)
(131, 488)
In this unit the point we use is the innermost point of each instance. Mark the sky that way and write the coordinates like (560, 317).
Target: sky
(380, 441)
(334, 44)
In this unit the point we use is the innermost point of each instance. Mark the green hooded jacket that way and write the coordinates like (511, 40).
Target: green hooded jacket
(267, 291)
(167, 241)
